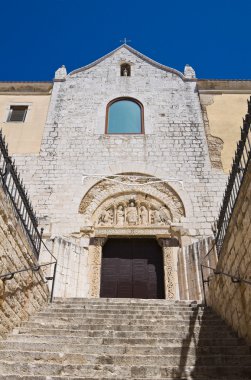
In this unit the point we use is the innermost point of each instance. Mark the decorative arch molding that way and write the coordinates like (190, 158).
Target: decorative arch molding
(109, 201)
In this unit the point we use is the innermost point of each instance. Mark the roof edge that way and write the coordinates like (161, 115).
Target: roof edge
(138, 54)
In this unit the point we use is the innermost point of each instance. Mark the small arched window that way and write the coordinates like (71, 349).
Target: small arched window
(125, 70)
(124, 115)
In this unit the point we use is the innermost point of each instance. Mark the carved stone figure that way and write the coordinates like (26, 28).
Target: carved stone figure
(132, 213)
(125, 72)
(120, 215)
(136, 210)
(155, 217)
(107, 217)
(164, 215)
(143, 215)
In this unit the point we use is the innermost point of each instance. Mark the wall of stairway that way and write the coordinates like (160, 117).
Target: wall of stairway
(26, 292)
(232, 300)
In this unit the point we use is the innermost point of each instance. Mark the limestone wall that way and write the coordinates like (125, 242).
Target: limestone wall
(173, 147)
(73, 267)
(26, 292)
(233, 300)
(190, 258)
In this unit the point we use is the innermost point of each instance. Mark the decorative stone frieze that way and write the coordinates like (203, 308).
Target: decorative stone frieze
(142, 204)
(137, 211)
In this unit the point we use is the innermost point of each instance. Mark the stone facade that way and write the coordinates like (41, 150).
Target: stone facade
(26, 292)
(232, 299)
(87, 184)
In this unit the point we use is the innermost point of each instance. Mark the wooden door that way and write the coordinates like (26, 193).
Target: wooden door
(132, 268)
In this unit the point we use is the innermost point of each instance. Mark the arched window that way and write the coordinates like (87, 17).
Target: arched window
(124, 115)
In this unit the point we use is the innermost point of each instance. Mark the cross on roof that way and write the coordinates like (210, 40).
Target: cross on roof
(125, 40)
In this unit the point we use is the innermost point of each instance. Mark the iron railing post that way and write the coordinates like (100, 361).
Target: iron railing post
(53, 282)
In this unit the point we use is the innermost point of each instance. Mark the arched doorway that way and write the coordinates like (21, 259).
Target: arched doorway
(132, 268)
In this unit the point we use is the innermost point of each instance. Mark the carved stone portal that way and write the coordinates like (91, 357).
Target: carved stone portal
(107, 203)
(133, 210)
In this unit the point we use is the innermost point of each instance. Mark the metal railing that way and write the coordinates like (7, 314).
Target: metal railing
(13, 186)
(215, 272)
(235, 179)
(35, 268)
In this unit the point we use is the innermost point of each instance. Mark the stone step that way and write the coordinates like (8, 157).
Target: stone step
(62, 320)
(220, 372)
(105, 314)
(130, 325)
(127, 301)
(121, 308)
(132, 309)
(125, 333)
(124, 339)
(158, 342)
(99, 349)
(129, 313)
(121, 319)
(123, 360)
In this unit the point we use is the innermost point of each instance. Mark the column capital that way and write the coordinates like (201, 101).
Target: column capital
(98, 241)
(168, 242)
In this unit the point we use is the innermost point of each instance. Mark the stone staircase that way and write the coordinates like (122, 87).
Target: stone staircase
(124, 339)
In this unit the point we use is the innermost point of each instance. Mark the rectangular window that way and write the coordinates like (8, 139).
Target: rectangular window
(17, 113)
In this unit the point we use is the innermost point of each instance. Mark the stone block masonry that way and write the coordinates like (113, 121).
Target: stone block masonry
(75, 147)
(233, 300)
(26, 293)
(173, 145)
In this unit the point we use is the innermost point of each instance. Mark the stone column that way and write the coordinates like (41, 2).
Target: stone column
(94, 263)
(170, 268)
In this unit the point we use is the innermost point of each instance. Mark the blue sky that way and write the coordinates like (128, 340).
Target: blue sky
(39, 36)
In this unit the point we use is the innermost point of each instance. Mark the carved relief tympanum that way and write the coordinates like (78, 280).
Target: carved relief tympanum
(138, 210)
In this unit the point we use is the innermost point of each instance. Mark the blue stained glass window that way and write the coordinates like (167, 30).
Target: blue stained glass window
(124, 117)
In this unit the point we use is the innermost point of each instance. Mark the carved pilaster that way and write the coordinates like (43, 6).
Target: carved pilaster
(169, 249)
(169, 273)
(95, 255)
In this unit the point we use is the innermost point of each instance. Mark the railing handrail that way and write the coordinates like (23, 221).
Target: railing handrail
(14, 187)
(35, 268)
(239, 167)
(234, 279)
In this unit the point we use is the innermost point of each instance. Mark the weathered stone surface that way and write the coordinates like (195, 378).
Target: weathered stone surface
(128, 339)
(232, 300)
(72, 202)
(26, 293)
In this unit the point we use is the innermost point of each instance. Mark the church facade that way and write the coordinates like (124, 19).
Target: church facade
(125, 161)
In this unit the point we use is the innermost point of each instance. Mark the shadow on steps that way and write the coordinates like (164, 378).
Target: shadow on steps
(222, 360)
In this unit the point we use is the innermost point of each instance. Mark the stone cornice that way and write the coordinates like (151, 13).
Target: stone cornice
(223, 86)
(27, 88)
